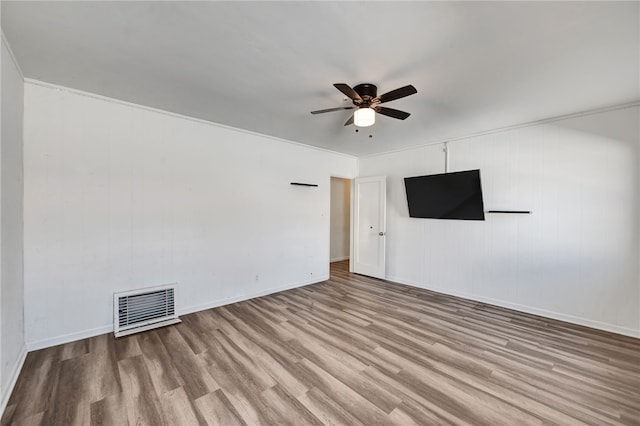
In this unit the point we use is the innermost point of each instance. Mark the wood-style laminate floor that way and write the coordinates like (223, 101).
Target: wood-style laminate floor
(352, 350)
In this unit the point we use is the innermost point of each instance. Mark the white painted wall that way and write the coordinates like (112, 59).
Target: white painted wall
(119, 197)
(575, 258)
(12, 347)
(340, 218)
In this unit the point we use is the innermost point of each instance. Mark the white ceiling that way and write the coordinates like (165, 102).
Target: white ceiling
(263, 66)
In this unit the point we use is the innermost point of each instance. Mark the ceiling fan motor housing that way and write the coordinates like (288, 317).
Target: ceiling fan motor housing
(366, 91)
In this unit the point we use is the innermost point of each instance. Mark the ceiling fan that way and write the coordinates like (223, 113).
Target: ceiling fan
(366, 103)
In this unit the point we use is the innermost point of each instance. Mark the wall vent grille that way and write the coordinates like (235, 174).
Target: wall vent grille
(144, 309)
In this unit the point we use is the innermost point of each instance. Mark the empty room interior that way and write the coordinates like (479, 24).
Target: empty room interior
(356, 213)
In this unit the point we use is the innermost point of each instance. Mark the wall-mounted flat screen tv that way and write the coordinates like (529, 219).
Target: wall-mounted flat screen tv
(456, 195)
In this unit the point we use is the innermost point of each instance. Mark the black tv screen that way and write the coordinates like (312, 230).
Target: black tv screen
(456, 195)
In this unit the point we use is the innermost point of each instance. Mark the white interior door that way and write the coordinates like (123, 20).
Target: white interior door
(369, 226)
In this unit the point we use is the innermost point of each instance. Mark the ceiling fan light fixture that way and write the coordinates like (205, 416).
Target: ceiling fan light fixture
(364, 117)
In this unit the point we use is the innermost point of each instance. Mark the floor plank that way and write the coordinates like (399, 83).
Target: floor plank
(349, 351)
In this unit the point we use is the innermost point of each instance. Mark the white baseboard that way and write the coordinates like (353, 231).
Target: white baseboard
(72, 337)
(15, 372)
(527, 309)
(230, 300)
(339, 259)
(66, 338)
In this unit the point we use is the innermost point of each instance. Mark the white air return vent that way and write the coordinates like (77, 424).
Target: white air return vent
(144, 309)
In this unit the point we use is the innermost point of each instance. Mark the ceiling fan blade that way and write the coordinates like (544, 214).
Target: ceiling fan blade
(347, 90)
(320, 111)
(390, 112)
(349, 121)
(397, 94)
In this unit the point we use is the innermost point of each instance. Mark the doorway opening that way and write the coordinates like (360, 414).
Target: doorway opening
(340, 219)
